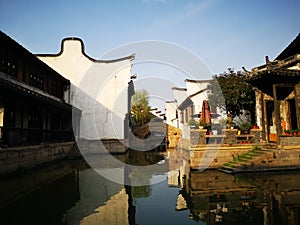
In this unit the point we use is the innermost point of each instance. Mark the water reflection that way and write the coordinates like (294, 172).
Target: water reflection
(41, 196)
(71, 193)
(217, 198)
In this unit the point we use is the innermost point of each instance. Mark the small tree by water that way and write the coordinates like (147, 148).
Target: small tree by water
(140, 109)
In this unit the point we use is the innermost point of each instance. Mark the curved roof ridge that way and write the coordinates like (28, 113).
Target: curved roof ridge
(197, 81)
(130, 57)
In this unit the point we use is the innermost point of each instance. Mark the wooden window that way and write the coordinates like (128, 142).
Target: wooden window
(8, 65)
(181, 117)
(186, 115)
(35, 119)
(36, 80)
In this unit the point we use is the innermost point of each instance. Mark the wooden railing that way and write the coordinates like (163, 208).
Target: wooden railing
(32, 136)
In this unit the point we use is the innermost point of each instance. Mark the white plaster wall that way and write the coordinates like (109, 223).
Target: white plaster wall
(179, 95)
(71, 64)
(198, 101)
(193, 87)
(185, 128)
(171, 108)
(100, 89)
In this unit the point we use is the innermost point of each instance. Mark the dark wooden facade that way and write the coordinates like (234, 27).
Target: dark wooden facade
(34, 99)
(277, 86)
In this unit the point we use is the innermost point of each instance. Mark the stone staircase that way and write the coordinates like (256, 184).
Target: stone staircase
(254, 160)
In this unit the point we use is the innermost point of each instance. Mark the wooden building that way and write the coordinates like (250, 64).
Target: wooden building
(34, 99)
(277, 86)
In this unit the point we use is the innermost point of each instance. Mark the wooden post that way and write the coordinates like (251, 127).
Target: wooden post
(297, 103)
(22, 123)
(263, 116)
(277, 116)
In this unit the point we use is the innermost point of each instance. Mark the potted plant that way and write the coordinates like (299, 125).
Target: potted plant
(223, 122)
(287, 132)
(193, 124)
(226, 122)
(208, 127)
(245, 127)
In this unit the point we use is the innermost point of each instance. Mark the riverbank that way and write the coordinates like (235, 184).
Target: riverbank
(243, 158)
(18, 159)
(264, 160)
(237, 158)
(14, 160)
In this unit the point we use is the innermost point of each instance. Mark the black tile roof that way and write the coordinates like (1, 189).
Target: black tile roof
(292, 49)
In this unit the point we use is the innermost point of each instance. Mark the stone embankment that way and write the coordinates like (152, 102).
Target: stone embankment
(264, 159)
(236, 158)
(18, 159)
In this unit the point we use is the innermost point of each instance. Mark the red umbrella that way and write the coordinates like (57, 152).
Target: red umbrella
(205, 114)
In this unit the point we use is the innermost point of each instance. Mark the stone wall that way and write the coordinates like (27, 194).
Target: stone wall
(112, 146)
(257, 135)
(174, 135)
(197, 136)
(214, 157)
(17, 159)
(289, 140)
(230, 136)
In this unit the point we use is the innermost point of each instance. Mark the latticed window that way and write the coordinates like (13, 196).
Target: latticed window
(181, 117)
(186, 116)
(35, 119)
(9, 66)
(36, 80)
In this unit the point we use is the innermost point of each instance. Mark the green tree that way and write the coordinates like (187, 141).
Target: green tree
(231, 92)
(140, 109)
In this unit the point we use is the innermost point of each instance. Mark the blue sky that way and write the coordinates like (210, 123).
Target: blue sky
(223, 33)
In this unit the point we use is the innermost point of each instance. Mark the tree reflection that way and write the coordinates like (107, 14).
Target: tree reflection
(262, 199)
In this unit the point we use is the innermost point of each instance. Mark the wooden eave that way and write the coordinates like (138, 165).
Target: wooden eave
(186, 103)
(264, 80)
(6, 39)
(10, 84)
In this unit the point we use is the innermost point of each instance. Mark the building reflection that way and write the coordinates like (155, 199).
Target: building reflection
(99, 197)
(71, 193)
(105, 202)
(39, 196)
(218, 198)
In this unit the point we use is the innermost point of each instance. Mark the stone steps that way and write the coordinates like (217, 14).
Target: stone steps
(249, 160)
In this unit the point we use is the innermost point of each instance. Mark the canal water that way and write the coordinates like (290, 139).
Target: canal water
(71, 193)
